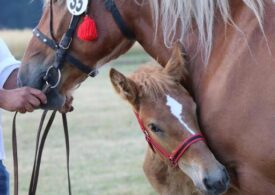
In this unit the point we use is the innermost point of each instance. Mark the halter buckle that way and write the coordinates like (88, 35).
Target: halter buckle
(68, 43)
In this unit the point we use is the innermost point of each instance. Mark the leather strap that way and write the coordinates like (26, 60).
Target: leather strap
(67, 142)
(178, 153)
(51, 21)
(40, 142)
(65, 43)
(125, 30)
(36, 150)
(68, 57)
(15, 156)
(175, 156)
(37, 160)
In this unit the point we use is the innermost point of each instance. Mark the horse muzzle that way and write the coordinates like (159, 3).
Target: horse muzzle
(216, 185)
(210, 181)
(55, 100)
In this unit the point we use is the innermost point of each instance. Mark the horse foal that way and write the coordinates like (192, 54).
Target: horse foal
(177, 160)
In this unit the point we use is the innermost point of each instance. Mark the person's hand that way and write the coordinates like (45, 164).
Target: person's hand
(68, 105)
(23, 99)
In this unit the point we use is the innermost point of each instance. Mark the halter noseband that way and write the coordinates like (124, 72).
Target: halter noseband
(64, 45)
(175, 156)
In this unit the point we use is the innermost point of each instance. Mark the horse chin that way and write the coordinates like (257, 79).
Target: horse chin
(55, 100)
(212, 181)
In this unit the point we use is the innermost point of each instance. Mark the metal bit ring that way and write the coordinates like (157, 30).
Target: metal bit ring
(58, 80)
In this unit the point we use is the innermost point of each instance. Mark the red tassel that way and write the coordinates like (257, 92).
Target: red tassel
(87, 29)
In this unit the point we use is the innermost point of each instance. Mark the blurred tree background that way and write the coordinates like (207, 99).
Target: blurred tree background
(20, 14)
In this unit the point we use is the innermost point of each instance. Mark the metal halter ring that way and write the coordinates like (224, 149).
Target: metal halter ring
(58, 80)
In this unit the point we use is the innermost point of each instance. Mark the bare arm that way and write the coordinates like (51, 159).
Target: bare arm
(20, 99)
(25, 99)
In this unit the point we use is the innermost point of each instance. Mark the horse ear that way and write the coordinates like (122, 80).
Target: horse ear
(125, 87)
(176, 65)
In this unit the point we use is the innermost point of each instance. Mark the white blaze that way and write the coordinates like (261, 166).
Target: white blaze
(176, 110)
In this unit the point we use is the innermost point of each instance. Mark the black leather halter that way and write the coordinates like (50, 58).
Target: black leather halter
(53, 74)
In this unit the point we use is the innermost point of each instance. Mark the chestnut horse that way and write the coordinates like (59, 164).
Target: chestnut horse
(167, 116)
(230, 45)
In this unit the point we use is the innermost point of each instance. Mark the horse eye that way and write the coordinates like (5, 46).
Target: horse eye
(154, 128)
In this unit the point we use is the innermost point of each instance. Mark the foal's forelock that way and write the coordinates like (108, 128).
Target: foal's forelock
(153, 81)
(166, 12)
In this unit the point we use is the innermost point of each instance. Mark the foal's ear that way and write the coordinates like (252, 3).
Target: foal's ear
(176, 65)
(125, 87)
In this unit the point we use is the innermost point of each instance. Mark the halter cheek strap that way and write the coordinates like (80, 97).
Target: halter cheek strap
(61, 55)
(175, 156)
(125, 30)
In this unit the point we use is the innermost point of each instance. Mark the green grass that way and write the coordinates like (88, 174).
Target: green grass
(107, 146)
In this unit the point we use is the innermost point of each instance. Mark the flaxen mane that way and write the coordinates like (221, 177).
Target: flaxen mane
(176, 17)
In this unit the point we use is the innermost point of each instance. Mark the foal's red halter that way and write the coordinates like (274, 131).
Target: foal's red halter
(175, 156)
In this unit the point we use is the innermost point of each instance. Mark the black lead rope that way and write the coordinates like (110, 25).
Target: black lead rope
(67, 142)
(36, 149)
(38, 156)
(15, 156)
(40, 142)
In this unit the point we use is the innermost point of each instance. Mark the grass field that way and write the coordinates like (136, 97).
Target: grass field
(107, 147)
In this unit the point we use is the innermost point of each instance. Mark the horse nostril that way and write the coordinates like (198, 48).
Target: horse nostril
(217, 186)
(207, 184)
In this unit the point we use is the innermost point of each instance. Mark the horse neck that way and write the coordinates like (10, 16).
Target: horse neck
(144, 30)
(227, 40)
(242, 47)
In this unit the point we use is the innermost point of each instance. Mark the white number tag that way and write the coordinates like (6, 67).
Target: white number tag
(77, 7)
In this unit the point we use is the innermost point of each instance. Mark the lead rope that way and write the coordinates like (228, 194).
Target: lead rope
(15, 157)
(38, 155)
(40, 142)
(66, 135)
(37, 145)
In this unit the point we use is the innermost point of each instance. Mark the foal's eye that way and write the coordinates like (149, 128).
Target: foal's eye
(154, 128)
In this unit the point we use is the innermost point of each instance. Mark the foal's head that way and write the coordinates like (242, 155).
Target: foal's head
(168, 113)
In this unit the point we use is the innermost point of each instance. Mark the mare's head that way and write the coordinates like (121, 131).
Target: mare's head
(38, 57)
(168, 113)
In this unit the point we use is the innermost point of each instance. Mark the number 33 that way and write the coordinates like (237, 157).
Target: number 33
(76, 5)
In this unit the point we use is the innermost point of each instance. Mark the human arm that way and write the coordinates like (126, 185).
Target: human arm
(12, 99)
(23, 99)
